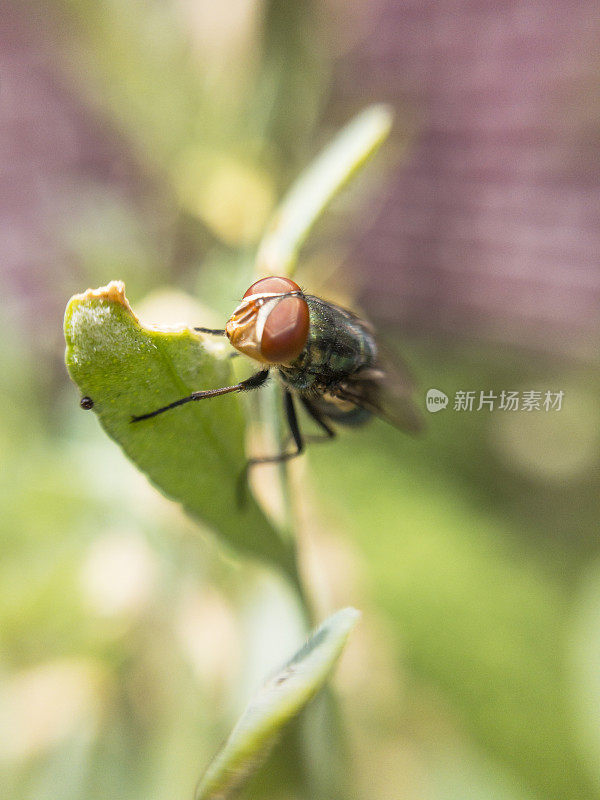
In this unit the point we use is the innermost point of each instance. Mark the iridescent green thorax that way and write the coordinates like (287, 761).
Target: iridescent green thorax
(338, 344)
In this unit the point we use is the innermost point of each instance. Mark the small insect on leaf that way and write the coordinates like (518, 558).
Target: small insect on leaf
(323, 355)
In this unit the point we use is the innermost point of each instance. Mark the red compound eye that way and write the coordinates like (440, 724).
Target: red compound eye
(286, 329)
(273, 285)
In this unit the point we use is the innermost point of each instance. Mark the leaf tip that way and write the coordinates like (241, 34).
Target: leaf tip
(344, 619)
(375, 124)
(383, 113)
(113, 292)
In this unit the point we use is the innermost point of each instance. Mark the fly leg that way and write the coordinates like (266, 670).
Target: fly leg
(320, 420)
(253, 382)
(217, 332)
(212, 331)
(292, 420)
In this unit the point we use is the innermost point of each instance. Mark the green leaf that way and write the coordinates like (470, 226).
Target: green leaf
(318, 185)
(193, 454)
(283, 696)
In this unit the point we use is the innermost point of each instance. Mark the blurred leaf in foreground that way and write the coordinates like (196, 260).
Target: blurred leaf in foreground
(283, 696)
(194, 454)
(583, 674)
(316, 187)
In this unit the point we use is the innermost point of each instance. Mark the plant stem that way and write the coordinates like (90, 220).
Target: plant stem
(272, 417)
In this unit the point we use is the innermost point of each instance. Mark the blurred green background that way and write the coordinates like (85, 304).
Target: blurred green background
(150, 141)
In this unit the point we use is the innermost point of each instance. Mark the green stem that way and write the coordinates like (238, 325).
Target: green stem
(271, 415)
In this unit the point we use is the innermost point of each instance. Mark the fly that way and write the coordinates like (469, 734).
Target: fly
(326, 357)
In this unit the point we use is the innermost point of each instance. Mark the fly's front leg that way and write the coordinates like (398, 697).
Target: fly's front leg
(253, 382)
(212, 331)
(217, 332)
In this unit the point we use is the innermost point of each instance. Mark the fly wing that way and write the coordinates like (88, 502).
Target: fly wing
(386, 390)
